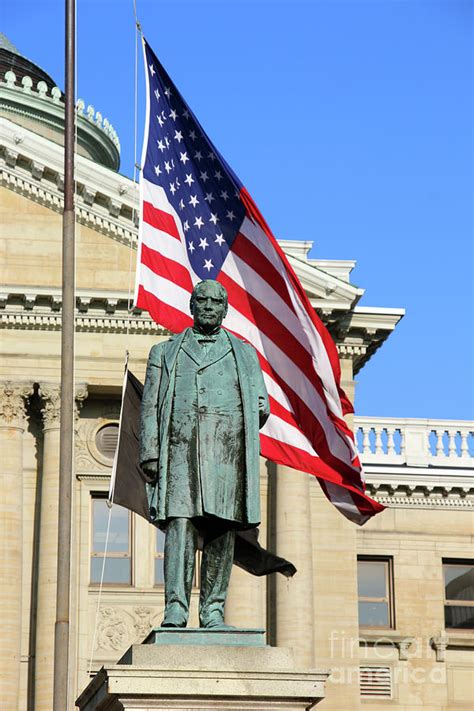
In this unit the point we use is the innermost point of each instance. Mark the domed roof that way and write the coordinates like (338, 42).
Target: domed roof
(12, 60)
(29, 97)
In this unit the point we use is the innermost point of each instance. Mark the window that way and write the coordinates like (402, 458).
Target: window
(458, 594)
(375, 592)
(118, 568)
(159, 557)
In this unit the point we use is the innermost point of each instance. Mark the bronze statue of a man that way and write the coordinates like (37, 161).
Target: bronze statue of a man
(203, 403)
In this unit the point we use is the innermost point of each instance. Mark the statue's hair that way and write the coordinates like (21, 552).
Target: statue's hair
(209, 281)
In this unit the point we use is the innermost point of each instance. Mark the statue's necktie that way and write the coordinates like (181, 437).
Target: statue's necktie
(206, 343)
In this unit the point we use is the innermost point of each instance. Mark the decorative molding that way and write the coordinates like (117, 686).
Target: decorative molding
(461, 639)
(27, 308)
(394, 502)
(387, 638)
(12, 403)
(97, 312)
(359, 332)
(351, 351)
(88, 458)
(80, 394)
(92, 476)
(119, 627)
(89, 215)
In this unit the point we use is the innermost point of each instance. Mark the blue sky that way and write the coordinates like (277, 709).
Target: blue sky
(349, 122)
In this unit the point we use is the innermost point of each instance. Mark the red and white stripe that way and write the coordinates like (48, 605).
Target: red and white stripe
(269, 308)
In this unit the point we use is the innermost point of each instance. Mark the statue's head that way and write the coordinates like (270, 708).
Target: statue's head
(208, 305)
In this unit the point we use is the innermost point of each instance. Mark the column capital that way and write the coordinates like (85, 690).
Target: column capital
(12, 403)
(51, 410)
(51, 398)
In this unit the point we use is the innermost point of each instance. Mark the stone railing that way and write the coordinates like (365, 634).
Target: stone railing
(41, 91)
(416, 443)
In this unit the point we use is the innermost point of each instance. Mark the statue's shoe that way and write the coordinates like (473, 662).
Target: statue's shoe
(216, 624)
(172, 622)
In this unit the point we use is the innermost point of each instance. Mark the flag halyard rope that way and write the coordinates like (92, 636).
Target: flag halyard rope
(130, 309)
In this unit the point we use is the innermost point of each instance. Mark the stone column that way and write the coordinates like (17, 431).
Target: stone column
(46, 610)
(12, 425)
(293, 614)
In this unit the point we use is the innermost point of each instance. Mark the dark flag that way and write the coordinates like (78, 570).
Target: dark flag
(128, 487)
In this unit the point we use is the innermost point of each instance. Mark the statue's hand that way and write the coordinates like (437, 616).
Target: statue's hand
(150, 468)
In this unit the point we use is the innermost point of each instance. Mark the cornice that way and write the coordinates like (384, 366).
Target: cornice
(33, 166)
(39, 308)
(360, 332)
(432, 489)
(325, 291)
(422, 501)
(96, 312)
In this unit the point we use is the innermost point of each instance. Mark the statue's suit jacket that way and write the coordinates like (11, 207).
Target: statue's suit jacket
(158, 414)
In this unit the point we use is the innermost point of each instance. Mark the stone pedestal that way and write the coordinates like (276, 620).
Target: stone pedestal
(164, 676)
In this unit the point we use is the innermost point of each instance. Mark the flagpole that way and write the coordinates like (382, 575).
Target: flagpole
(61, 630)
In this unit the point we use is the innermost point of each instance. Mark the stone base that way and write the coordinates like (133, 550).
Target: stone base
(226, 637)
(185, 677)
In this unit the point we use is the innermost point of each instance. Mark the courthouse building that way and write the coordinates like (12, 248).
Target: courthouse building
(388, 607)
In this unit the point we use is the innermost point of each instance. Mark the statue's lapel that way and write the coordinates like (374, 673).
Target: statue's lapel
(192, 348)
(172, 350)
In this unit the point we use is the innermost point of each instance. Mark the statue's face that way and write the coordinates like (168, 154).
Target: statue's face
(208, 306)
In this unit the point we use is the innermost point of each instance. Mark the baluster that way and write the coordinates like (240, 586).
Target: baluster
(464, 446)
(452, 451)
(366, 441)
(402, 444)
(439, 443)
(390, 440)
(378, 439)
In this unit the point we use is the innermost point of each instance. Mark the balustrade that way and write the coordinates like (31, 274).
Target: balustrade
(414, 442)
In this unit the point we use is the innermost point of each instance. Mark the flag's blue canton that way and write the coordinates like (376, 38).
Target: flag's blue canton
(198, 183)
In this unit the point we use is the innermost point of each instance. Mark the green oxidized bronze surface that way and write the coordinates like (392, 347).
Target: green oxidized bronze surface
(203, 403)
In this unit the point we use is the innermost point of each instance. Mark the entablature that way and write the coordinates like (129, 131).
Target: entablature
(107, 202)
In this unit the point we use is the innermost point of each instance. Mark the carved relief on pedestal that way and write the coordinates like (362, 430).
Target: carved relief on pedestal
(12, 403)
(119, 627)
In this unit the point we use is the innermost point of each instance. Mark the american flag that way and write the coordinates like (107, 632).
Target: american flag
(199, 222)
